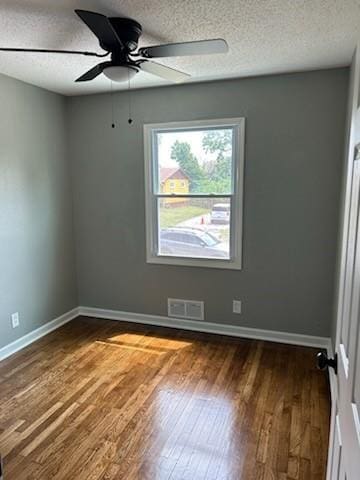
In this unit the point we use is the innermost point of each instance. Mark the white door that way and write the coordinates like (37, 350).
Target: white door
(344, 448)
(347, 420)
(344, 451)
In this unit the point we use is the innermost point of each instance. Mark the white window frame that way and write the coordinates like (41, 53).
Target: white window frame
(236, 197)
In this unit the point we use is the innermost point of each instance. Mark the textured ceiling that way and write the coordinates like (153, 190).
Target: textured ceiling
(264, 36)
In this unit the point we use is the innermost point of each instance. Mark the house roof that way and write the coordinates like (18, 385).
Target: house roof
(166, 173)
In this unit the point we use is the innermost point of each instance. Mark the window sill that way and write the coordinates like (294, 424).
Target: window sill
(195, 262)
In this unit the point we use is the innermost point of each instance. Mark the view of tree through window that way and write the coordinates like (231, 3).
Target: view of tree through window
(194, 162)
(204, 157)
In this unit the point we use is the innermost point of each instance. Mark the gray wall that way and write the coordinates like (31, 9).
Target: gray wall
(37, 273)
(294, 153)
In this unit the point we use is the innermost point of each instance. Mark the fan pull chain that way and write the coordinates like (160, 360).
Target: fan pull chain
(112, 106)
(129, 93)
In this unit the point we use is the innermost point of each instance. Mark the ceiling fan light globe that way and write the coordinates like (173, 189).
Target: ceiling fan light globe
(120, 73)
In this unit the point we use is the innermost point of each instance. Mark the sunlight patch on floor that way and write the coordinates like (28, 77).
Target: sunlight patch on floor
(144, 343)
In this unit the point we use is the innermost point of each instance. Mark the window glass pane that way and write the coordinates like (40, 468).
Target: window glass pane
(194, 161)
(194, 227)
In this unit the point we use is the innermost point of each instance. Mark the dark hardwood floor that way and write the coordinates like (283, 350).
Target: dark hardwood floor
(105, 400)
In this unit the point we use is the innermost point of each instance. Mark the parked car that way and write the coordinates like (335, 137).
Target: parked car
(220, 213)
(192, 242)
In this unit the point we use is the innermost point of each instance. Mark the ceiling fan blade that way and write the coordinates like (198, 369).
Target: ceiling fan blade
(200, 47)
(46, 50)
(93, 72)
(164, 72)
(102, 28)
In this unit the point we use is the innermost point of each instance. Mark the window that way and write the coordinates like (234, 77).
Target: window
(194, 189)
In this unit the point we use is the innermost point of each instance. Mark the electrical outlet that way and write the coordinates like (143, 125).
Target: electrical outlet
(236, 306)
(15, 322)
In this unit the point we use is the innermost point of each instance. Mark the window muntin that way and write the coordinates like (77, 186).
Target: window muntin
(194, 175)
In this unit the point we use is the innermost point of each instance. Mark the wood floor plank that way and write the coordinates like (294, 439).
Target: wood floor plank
(104, 400)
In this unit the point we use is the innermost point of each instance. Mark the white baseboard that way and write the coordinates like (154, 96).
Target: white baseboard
(38, 333)
(162, 321)
(206, 327)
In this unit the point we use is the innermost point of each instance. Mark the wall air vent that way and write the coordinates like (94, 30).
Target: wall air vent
(191, 309)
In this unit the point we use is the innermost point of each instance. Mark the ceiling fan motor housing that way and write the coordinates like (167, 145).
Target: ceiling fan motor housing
(128, 30)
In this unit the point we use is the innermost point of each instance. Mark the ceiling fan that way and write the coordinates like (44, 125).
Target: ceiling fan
(119, 38)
